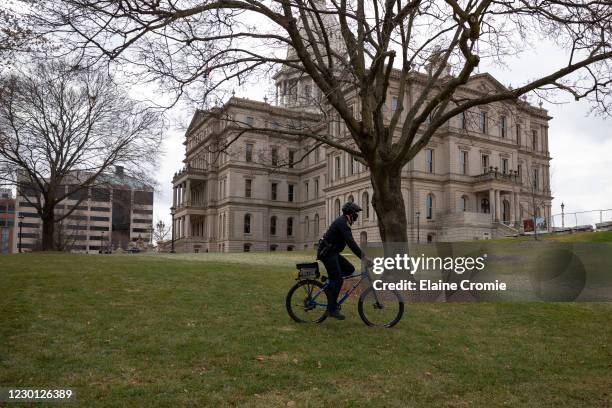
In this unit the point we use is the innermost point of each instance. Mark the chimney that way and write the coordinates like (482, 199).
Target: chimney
(119, 170)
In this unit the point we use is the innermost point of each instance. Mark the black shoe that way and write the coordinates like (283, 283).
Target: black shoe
(337, 315)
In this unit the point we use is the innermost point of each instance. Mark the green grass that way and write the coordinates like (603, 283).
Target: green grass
(211, 330)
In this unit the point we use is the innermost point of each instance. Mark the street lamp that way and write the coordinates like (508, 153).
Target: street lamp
(418, 215)
(562, 215)
(21, 217)
(172, 240)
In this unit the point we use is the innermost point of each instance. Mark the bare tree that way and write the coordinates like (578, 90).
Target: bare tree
(161, 231)
(353, 51)
(61, 128)
(538, 190)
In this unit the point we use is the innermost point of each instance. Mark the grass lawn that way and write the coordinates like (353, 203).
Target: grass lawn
(211, 330)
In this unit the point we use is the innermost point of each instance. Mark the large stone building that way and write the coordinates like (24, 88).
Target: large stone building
(480, 176)
(118, 213)
(7, 222)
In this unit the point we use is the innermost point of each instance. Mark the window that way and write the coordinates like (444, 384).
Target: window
(307, 224)
(354, 166)
(429, 203)
(273, 247)
(429, 160)
(306, 191)
(504, 165)
(351, 199)
(518, 134)
(247, 223)
(534, 139)
(519, 170)
(248, 186)
(316, 225)
(290, 193)
(502, 126)
(249, 152)
(275, 156)
(250, 121)
(483, 122)
(273, 192)
(246, 248)
(464, 203)
(365, 202)
(394, 103)
(536, 179)
(463, 162)
(485, 163)
(337, 207)
(316, 188)
(463, 120)
(291, 158)
(338, 167)
(289, 227)
(273, 225)
(307, 92)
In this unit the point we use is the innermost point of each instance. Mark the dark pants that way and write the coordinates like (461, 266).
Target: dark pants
(337, 266)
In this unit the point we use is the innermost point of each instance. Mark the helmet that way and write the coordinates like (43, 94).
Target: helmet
(350, 208)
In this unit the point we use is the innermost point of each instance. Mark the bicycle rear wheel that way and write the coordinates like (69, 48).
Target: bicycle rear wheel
(306, 302)
(380, 308)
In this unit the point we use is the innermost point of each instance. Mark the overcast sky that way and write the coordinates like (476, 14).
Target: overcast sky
(580, 144)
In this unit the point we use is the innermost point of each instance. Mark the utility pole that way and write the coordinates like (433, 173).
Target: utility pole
(21, 217)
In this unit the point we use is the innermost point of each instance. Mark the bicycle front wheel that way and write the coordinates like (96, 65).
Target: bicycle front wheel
(380, 308)
(307, 302)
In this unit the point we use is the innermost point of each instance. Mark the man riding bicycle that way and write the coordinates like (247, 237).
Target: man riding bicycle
(337, 237)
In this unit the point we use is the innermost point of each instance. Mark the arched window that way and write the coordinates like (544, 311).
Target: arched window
(247, 223)
(273, 225)
(316, 225)
(463, 203)
(307, 226)
(429, 204)
(363, 239)
(365, 200)
(351, 199)
(337, 206)
(290, 227)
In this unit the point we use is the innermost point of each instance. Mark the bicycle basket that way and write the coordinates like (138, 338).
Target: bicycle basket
(308, 270)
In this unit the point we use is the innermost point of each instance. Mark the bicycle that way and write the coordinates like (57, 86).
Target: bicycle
(376, 308)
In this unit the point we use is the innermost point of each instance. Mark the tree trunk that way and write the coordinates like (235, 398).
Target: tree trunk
(48, 229)
(389, 205)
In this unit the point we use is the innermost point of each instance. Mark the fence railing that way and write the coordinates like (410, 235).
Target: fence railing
(581, 218)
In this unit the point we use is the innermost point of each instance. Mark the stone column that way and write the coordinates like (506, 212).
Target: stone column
(174, 196)
(497, 206)
(492, 204)
(517, 208)
(188, 225)
(188, 192)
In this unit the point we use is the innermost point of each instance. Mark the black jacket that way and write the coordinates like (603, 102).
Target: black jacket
(339, 235)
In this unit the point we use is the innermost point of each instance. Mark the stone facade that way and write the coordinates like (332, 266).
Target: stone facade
(479, 177)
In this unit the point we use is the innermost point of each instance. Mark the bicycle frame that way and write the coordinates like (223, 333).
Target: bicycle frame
(363, 275)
